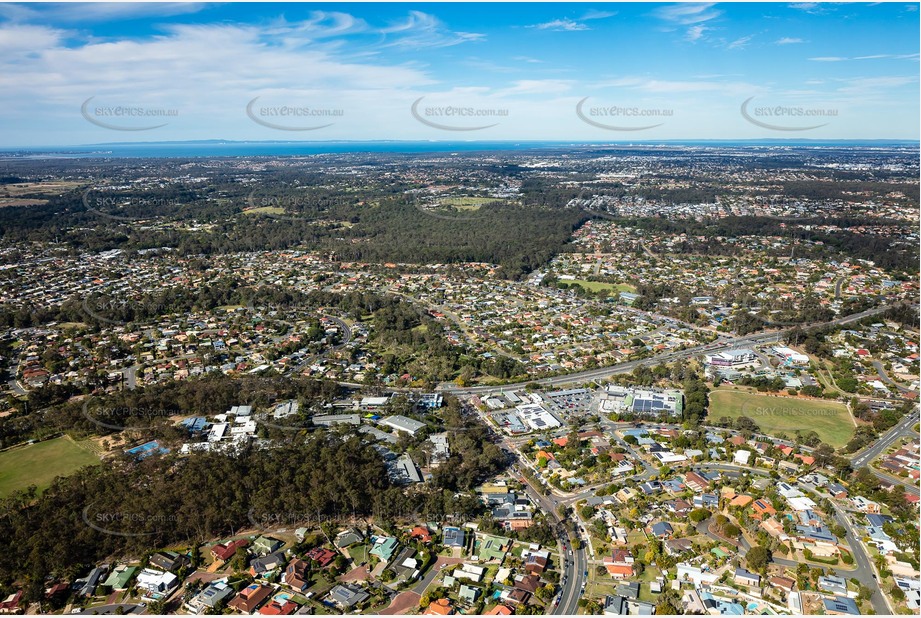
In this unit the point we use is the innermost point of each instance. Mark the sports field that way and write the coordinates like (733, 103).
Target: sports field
(829, 419)
(38, 464)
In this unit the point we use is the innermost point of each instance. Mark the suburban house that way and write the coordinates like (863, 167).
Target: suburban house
(250, 598)
(226, 551)
(278, 607)
(211, 597)
(296, 574)
(746, 578)
(322, 556)
(169, 561)
(265, 564)
(345, 597)
(264, 545)
(439, 607)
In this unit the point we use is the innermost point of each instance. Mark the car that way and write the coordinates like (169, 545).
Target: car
(570, 552)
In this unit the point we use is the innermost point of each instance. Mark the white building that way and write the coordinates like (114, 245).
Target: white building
(403, 423)
(700, 577)
(732, 358)
(537, 417)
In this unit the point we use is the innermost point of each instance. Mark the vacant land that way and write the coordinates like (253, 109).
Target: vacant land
(265, 210)
(39, 464)
(775, 415)
(594, 286)
(468, 203)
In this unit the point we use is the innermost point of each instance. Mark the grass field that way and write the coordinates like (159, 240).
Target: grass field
(594, 286)
(774, 415)
(38, 464)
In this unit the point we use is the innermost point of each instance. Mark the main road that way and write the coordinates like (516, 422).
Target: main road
(574, 561)
(606, 372)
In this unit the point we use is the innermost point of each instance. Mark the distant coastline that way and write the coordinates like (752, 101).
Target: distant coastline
(230, 148)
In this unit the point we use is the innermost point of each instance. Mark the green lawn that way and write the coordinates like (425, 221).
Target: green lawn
(773, 415)
(38, 464)
(594, 286)
(359, 554)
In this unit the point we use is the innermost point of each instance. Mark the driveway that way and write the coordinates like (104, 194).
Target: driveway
(402, 603)
(433, 572)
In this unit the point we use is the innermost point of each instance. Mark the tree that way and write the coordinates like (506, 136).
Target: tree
(758, 558)
(666, 608)
(698, 515)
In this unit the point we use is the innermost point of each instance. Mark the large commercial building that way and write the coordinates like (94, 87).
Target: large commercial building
(537, 417)
(733, 358)
(642, 401)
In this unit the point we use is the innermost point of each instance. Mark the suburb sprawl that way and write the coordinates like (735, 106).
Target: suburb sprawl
(595, 380)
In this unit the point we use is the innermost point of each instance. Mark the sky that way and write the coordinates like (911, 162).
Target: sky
(89, 73)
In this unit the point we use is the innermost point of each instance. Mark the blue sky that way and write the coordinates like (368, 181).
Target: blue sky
(518, 71)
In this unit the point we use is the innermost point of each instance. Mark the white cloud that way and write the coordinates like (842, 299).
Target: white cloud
(739, 43)
(573, 25)
(687, 14)
(695, 33)
(595, 14)
(99, 11)
(422, 30)
(537, 86)
(813, 8)
(561, 25)
(664, 86)
(788, 41)
(28, 39)
(871, 57)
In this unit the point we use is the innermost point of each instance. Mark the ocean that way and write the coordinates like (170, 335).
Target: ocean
(217, 148)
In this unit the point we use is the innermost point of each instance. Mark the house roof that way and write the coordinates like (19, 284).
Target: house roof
(276, 608)
(741, 500)
(841, 605)
(619, 569)
(251, 597)
(439, 607)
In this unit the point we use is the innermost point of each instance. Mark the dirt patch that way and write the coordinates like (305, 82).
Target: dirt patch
(359, 574)
(402, 603)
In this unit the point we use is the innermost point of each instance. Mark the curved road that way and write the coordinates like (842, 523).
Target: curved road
(885, 377)
(864, 570)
